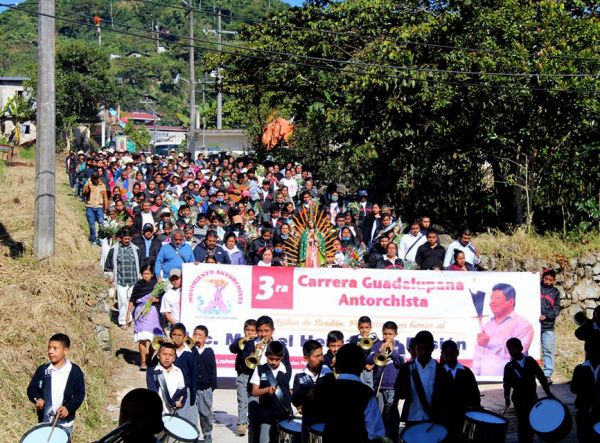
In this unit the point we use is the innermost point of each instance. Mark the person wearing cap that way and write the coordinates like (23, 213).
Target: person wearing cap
(173, 255)
(171, 300)
(148, 245)
(550, 306)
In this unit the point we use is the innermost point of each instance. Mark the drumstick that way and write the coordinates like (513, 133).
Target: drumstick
(53, 426)
(504, 412)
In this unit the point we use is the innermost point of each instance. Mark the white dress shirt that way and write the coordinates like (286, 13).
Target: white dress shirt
(427, 375)
(58, 383)
(408, 246)
(170, 303)
(174, 380)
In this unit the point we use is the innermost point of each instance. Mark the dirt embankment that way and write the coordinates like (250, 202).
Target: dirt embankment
(40, 298)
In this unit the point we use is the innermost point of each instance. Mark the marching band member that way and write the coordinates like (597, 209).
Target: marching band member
(462, 387)
(519, 376)
(57, 388)
(265, 328)
(421, 383)
(206, 381)
(364, 331)
(388, 356)
(270, 383)
(335, 340)
(305, 384)
(243, 376)
(352, 414)
(185, 360)
(167, 379)
(586, 385)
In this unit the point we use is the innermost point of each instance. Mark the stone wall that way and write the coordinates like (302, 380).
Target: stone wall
(577, 279)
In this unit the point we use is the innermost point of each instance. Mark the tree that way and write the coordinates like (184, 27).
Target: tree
(138, 135)
(392, 102)
(18, 109)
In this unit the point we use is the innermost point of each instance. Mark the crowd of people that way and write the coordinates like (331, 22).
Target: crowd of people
(151, 214)
(236, 211)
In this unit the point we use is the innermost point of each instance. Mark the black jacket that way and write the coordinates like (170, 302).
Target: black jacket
(206, 372)
(345, 404)
(429, 258)
(74, 390)
(522, 382)
(550, 306)
(584, 386)
(155, 246)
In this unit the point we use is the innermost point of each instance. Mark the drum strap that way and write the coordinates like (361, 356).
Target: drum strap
(517, 368)
(279, 392)
(414, 372)
(160, 378)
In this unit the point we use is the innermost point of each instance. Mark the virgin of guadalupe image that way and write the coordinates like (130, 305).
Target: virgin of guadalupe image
(310, 241)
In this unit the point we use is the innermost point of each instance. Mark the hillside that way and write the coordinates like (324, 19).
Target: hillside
(152, 73)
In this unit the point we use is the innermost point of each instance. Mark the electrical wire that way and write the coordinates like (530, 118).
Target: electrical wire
(356, 63)
(369, 38)
(317, 67)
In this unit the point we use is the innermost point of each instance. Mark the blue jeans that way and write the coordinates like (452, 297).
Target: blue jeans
(93, 215)
(548, 351)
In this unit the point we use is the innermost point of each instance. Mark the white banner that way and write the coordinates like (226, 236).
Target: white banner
(478, 310)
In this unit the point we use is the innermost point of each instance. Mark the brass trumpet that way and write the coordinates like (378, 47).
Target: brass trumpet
(157, 342)
(242, 342)
(366, 343)
(189, 342)
(253, 360)
(381, 358)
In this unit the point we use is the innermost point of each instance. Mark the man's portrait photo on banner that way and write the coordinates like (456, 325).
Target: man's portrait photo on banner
(491, 354)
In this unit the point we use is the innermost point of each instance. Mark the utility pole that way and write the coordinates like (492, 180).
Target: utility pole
(192, 74)
(45, 175)
(219, 94)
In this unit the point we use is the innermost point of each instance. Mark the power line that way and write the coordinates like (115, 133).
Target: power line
(320, 67)
(359, 63)
(373, 38)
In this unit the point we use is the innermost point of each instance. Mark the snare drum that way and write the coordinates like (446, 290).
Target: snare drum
(290, 431)
(425, 432)
(484, 426)
(41, 433)
(178, 429)
(315, 434)
(550, 419)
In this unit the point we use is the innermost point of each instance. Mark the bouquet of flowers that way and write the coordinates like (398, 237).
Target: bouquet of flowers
(354, 257)
(260, 171)
(109, 228)
(158, 291)
(397, 232)
(172, 203)
(354, 208)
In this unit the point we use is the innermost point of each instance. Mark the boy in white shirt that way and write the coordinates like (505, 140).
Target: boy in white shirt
(271, 385)
(57, 388)
(167, 379)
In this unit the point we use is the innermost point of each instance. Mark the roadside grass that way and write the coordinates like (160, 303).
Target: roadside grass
(522, 247)
(27, 153)
(43, 297)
